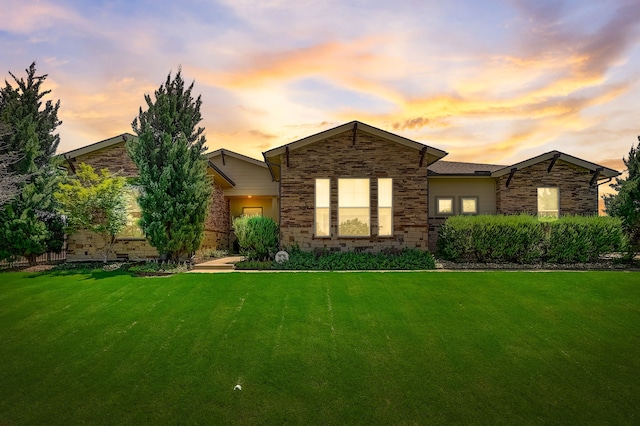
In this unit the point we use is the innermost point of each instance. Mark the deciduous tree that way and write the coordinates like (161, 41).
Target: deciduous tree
(94, 202)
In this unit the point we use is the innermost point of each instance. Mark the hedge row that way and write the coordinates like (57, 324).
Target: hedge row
(347, 261)
(525, 239)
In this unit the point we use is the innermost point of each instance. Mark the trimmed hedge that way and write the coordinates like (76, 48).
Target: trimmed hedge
(525, 239)
(348, 261)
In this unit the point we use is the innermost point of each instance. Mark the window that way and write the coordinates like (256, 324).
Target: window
(444, 205)
(252, 211)
(323, 214)
(132, 230)
(548, 202)
(385, 207)
(353, 207)
(469, 205)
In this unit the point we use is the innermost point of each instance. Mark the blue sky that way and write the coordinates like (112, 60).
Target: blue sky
(489, 81)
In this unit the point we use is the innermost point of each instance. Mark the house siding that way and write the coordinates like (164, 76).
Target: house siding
(576, 195)
(115, 158)
(340, 157)
(216, 234)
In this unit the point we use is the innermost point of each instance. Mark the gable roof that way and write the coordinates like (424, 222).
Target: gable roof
(98, 145)
(271, 156)
(603, 172)
(456, 168)
(223, 152)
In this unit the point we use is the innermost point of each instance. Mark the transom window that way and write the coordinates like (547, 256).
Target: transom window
(353, 208)
(548, 202)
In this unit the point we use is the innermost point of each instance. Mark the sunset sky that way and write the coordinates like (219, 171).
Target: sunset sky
(486, 81)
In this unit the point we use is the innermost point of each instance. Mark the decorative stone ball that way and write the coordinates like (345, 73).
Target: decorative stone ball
(282, 256)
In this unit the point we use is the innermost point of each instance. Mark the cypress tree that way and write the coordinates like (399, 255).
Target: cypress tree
(29, 225)
(175, 191)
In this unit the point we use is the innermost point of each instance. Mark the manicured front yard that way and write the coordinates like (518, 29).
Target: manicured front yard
(320, 348)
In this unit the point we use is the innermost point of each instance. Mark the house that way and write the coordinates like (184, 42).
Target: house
(241, 185)
(357, 187)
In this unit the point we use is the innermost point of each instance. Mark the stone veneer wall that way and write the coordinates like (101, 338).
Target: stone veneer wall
(87, 246)
(115, 158)
(216, 234)
(576, 195)
(338, 157)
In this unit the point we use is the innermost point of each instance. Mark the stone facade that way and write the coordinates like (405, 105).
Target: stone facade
(84, 246)
(115, 158)
(216, 234)
(577, 196)
(340, 157)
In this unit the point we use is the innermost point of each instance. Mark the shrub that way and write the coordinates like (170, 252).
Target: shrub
(583, 239)
(487, 238)
(257, 236)
(525, 239)
(408, 259)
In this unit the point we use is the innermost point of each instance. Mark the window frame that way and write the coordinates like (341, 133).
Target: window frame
(315, 208)
(443, 198)
(367, 207)
(555, 188)
(390, 207)
(476, 199)
(256, 208)
(132, 194)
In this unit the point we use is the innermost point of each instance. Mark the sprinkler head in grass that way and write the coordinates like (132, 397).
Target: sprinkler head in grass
(237, 387)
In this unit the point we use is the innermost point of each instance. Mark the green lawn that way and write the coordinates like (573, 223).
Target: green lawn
(320, 348)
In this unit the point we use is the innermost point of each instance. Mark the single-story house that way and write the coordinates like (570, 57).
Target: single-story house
(357, 187)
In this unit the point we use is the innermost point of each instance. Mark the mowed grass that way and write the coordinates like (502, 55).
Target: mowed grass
(320, 348)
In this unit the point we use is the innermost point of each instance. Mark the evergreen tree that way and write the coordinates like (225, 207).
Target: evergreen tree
(626, 203)
(29, 225)
(94, 202)
(175, 191)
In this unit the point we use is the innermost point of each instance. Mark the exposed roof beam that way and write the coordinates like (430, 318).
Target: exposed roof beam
(355, 129)
(553, 161)
(70, 163)
(423, 152)
(513, 172)
(596, 174)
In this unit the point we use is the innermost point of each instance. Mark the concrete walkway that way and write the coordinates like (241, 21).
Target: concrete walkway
(224, 264)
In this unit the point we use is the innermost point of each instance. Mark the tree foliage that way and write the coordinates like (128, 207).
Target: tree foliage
(29, 225)
(626, 203)
(175, 191)
(10, 182)
(94, 202)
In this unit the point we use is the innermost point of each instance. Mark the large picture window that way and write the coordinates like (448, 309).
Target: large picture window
(353, 207)
(385, 207)
(323, 212)
(548, 202)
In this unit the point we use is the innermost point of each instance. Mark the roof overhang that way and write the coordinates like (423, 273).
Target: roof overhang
(98, 146)
(225, 152)
(219, 177)
(602, 172)
(272, 156)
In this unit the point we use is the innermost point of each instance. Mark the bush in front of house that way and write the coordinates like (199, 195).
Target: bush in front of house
(407, 259)
(579, 239)
(485, 238)
(524, 239)
(257, 236)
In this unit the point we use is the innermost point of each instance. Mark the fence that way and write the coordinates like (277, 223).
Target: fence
(51, 257)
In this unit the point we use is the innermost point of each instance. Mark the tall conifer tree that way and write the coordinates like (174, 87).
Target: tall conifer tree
(29, 225)
(175, 190)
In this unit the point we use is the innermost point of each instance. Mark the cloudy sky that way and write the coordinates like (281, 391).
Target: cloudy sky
(487, 81)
